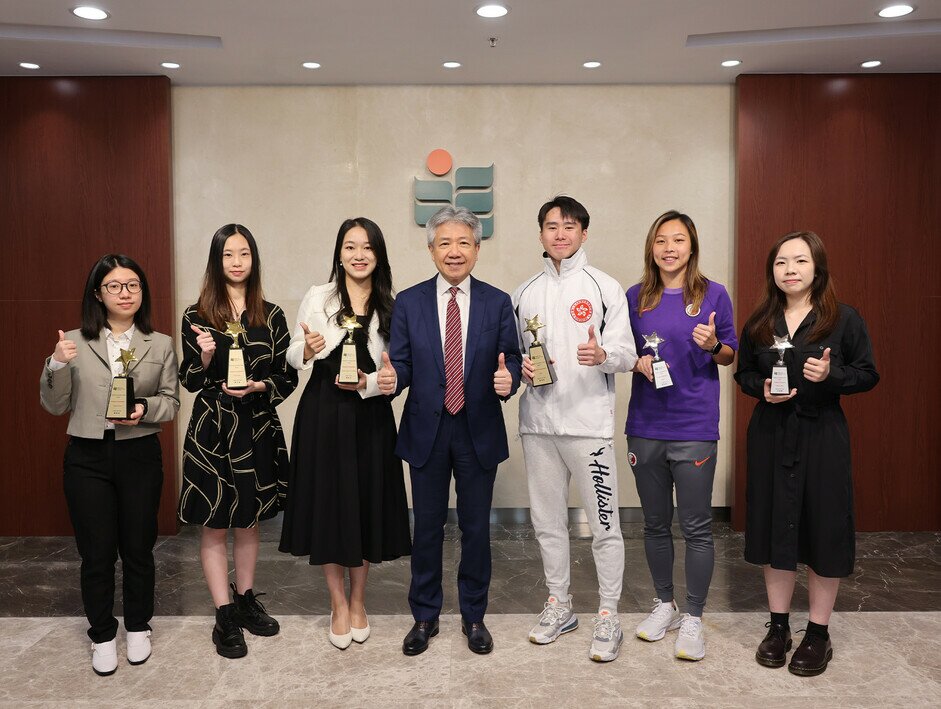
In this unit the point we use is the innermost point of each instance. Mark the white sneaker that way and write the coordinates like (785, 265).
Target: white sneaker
(664, 617)
(138, 647)
(556, 618)
(690, 645)
(104, 658)
(607, 637)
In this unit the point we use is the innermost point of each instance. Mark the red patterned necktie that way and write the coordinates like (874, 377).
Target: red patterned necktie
(453, 357)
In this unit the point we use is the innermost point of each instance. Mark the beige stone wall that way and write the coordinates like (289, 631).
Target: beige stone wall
(292, 163)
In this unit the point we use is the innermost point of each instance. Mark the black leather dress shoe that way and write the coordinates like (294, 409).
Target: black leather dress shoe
(416, 642)
(478, 637)
(773, 649)
(811, 656)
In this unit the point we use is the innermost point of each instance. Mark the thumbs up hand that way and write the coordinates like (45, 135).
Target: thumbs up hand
(591, 353)
(386, 377)
(502, 379)
(65, 350)
(705, 335)
(817, 370)
(313, 342)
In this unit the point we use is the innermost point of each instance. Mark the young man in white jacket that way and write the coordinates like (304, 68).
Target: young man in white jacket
(567, 427)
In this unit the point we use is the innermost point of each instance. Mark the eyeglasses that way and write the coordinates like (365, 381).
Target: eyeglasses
(115, 287)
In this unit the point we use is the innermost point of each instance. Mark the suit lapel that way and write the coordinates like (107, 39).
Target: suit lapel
(475, 321)
(429, 306)
(100, 347)
(140, 343)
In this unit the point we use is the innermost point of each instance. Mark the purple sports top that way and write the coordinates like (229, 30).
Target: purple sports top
(688, 410)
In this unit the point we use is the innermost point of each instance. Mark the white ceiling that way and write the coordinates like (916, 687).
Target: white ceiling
(405, 41)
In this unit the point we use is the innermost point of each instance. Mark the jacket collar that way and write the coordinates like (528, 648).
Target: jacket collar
(574, 263)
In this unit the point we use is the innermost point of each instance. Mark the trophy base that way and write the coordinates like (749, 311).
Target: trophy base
(661, 375)
(349, 368)
(779, 383)
(543, 374)
(236, 378)
(121, 399)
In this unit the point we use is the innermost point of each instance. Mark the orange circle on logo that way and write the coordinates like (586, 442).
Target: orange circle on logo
(439, 162)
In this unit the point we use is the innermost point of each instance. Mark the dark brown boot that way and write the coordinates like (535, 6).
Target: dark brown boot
(811, 657)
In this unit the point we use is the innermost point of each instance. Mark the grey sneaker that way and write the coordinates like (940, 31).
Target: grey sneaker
(690, 645)
(607, 637)
(555, 619)
(664, 617)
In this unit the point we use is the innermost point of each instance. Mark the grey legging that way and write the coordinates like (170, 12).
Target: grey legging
(690, 466)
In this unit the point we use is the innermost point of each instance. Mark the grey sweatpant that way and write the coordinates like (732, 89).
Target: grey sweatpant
(690, 466)
(551, 461)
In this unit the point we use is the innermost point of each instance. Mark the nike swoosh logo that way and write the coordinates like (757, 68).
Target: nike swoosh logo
(698, 463)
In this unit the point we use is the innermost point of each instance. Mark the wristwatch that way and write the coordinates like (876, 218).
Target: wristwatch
(715, 350)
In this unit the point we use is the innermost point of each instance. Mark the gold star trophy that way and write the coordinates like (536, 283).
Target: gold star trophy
(779, 383)
(661, 372)
(349, 369)
(121, 399)
(236, 376)
(543, 373)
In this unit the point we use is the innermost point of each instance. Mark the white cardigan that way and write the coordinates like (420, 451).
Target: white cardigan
(319, 310)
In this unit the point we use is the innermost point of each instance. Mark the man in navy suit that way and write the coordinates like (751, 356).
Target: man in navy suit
(453, 343)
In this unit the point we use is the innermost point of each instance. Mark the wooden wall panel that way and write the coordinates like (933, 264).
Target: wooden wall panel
(84, 171)
(856, 159)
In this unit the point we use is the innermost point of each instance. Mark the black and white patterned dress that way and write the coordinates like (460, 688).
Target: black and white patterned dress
(235, 462)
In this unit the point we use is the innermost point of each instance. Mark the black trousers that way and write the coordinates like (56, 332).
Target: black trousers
(113, 491)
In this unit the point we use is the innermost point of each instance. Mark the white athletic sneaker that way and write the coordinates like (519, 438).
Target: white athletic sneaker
(556, 618)
(138, 647)
(104, 658)
(664, 617)
(607, 637)
(690, 644)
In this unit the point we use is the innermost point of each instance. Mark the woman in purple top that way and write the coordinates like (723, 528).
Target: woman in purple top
(673, 429)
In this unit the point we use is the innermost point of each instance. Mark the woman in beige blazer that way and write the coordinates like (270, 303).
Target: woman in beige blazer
(113, 470)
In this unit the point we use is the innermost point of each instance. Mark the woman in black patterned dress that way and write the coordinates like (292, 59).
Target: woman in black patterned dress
(234, 456)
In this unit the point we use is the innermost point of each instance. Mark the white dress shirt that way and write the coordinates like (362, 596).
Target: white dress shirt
(443, 289)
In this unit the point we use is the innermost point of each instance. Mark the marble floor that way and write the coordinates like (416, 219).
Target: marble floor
(886, 632)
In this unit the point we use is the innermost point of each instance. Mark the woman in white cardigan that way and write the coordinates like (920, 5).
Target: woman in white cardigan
(345, 506)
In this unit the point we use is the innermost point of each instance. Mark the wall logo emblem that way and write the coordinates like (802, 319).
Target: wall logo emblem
(581, 310)
(472, 188)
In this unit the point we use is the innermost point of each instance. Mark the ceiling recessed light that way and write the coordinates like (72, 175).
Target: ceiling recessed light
(591, 65)
(170, 65)
(492, 11)
(87, 12)
(29, 65)
(871, 64)
(731, 62)
(896, 11)
(451, 65)
(310, 65)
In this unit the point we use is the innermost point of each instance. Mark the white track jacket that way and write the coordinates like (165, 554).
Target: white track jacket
(581, 401)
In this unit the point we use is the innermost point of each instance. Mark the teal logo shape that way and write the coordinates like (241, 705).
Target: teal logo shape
(472, 188)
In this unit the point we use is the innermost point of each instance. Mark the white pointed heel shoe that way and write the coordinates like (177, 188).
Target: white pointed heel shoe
(360, 635)
(341, 642)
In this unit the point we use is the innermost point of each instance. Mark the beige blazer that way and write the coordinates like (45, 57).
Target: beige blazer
(319, 309)
(82, 387)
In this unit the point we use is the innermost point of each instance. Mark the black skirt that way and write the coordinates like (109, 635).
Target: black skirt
(346, 490)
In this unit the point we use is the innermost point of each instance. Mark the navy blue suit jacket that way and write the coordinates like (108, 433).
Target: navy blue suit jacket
(415, 349)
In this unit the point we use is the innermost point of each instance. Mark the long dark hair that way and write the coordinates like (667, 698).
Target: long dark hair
(94, 312)
(651, 285)
(214, 305)
(760, 324)
(380, 299)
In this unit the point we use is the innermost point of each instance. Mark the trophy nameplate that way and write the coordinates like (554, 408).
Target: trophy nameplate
(349, 368)
(236, 373)
(121, 399)
(543, 372)
(661, 372)
(779, 382)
